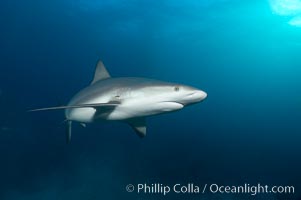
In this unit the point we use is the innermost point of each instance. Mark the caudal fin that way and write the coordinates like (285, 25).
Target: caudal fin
(95, 105)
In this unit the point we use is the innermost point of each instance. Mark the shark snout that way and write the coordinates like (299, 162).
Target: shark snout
(198, 95)
(194, 96)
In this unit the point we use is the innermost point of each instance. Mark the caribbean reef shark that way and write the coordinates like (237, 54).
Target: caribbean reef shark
(127, 99)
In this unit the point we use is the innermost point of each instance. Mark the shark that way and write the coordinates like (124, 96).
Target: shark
(126, 99)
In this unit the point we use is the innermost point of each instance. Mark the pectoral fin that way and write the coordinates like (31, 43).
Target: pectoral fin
(139, 125)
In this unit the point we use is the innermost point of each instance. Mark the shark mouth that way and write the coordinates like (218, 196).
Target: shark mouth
(171, 105)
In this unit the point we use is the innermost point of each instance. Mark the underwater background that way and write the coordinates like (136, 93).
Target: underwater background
(245, 54)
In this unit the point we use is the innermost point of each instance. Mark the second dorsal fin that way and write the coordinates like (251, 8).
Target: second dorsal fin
(101, 72)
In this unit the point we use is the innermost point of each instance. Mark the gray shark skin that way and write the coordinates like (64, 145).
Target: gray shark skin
(128, 99)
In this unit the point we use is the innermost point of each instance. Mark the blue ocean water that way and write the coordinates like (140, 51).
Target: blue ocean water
(244, 54)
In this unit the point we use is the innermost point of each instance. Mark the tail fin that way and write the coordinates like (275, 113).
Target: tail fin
(93, 105)
(68, 131)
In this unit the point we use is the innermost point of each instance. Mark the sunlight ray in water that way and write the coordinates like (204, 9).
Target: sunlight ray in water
(288, 8)
(296, 21)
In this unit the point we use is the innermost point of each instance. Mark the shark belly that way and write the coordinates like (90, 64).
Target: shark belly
(85, 115)
(135, 110)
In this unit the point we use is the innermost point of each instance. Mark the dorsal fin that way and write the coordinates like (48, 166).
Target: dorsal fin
(101, 72)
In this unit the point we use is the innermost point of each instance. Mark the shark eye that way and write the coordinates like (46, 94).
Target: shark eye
(117, 96)
(177, 88)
